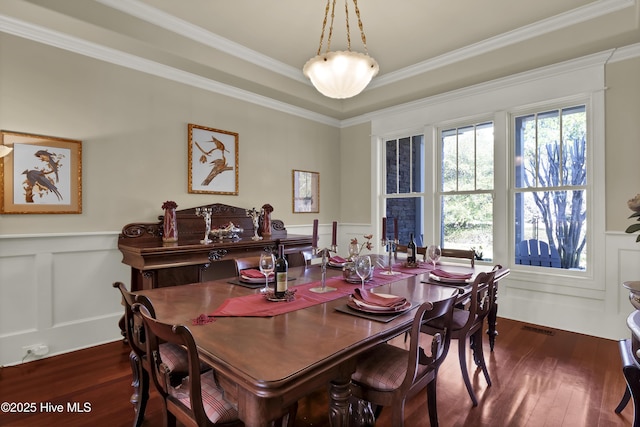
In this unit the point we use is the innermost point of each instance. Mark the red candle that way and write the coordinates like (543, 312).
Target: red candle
(334, 234)
(395, 228)
(315, 233)
(384, 227)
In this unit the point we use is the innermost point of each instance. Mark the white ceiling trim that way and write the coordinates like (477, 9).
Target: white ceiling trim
(581, 14)
(49, 37)
(179, 26)
(171, 23)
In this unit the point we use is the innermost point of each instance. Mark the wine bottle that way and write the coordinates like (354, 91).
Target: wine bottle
(281, 273)
(411, 251)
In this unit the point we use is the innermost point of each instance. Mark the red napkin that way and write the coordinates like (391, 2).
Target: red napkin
(448, 275)
(337, 260)
(373, 299)
(252, 273)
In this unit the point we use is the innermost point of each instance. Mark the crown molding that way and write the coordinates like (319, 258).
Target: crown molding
(171, 23)
(186, 29)
(49, 37)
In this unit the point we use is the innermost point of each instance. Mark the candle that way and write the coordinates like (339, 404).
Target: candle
(395, 228)
(384, 228)
(315, 233)
(334, 234)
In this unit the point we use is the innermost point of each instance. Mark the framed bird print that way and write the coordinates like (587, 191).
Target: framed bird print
(40, 174)
(213, 161)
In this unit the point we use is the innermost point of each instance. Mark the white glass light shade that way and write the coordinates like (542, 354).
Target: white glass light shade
(341, 74)
(4, 150)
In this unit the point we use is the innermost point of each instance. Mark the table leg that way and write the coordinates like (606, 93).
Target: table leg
(339, 395)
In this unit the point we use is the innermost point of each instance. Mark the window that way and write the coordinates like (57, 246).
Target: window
(466, 188)
(551, 181)
(404, 186)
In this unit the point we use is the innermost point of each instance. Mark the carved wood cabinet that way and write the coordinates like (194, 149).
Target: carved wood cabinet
(157, 264)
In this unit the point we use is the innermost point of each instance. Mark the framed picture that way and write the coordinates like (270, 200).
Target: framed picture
(306, 191)
(213, 161)
(41, 175)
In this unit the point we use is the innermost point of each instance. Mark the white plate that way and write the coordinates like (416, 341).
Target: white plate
(449, 280)
(254, 279)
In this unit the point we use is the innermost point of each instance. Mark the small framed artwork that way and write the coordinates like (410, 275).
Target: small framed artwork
(41, 175)
(213, 161)
(306, 192)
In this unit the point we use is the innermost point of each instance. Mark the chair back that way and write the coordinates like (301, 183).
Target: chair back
(482, 296)
(469, 254)
(538, 253)
(133, 327)
(157, 332)
(246, 263)
(429, 311)
(300, 259)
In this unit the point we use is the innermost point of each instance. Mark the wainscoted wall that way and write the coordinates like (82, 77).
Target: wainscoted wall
(55, 289)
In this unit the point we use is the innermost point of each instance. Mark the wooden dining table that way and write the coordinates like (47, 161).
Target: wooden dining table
(267, 363)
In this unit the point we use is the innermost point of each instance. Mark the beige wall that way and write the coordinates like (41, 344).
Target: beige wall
(134, 131)
(355, 152)
(622, 140)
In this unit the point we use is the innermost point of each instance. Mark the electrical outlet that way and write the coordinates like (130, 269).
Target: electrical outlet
(36, 350)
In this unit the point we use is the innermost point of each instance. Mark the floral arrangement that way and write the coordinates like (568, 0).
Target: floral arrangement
(634, 205)
(367, 244)
(169, 204)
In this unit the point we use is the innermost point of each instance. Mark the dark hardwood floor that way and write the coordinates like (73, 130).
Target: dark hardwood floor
(541, 377)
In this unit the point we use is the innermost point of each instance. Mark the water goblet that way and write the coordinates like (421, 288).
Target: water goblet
(267, 265)
(363, 267)
(354, 251)
(433, 253)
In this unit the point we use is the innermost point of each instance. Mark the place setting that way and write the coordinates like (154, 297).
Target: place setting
(380, 307)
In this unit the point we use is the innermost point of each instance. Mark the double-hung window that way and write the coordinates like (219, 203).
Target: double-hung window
(550, 191)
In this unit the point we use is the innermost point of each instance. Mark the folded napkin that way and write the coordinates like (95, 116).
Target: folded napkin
(337, 260)
(377, 300)
(252, 273)
(447, 275)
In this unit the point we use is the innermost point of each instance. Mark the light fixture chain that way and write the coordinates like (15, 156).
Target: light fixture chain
(324, 25)
(364, 38)
(333, 15)
(346, 14)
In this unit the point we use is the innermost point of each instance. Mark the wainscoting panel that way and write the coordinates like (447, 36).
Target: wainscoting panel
(56, 290)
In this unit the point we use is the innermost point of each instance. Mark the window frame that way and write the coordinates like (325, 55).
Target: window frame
(580, 81)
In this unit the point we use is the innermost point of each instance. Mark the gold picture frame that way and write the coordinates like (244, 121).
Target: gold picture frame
(306, 191)
(41, 175)
(213, 160)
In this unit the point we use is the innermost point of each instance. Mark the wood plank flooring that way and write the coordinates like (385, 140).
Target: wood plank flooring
(541, 377)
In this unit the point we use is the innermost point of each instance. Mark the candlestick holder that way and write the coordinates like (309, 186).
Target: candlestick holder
(206, 214)
(325, 253)
(391, 246)
(255, 216)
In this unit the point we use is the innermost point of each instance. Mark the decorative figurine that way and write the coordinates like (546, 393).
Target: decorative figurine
(255, 216)
(266, 220)
(206, 214)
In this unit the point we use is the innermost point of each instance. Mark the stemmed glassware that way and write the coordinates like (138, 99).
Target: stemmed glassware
(363, 267)
(433, 253)
(267, 265)
(354, 251)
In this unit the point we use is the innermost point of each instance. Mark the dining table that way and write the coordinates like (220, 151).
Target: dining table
(269, 354)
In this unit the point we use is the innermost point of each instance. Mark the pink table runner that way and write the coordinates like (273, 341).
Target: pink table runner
(256, 305)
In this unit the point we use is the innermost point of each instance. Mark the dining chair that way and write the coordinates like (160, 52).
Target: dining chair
(468, 324)
(387, 375)
(174, 356)
(420, 250)
(469, 254)
(300, 259)
(198, 400)
(247, 263)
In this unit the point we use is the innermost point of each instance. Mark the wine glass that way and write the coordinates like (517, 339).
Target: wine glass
(434, 252)
(354, 251)
(363, 267)
(267, 265)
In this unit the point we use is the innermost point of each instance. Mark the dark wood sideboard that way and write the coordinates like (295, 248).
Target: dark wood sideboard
(157, 264)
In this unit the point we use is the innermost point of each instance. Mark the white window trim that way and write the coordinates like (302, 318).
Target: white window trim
(581, 79)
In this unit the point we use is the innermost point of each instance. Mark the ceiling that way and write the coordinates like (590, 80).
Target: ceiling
(257, 48)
